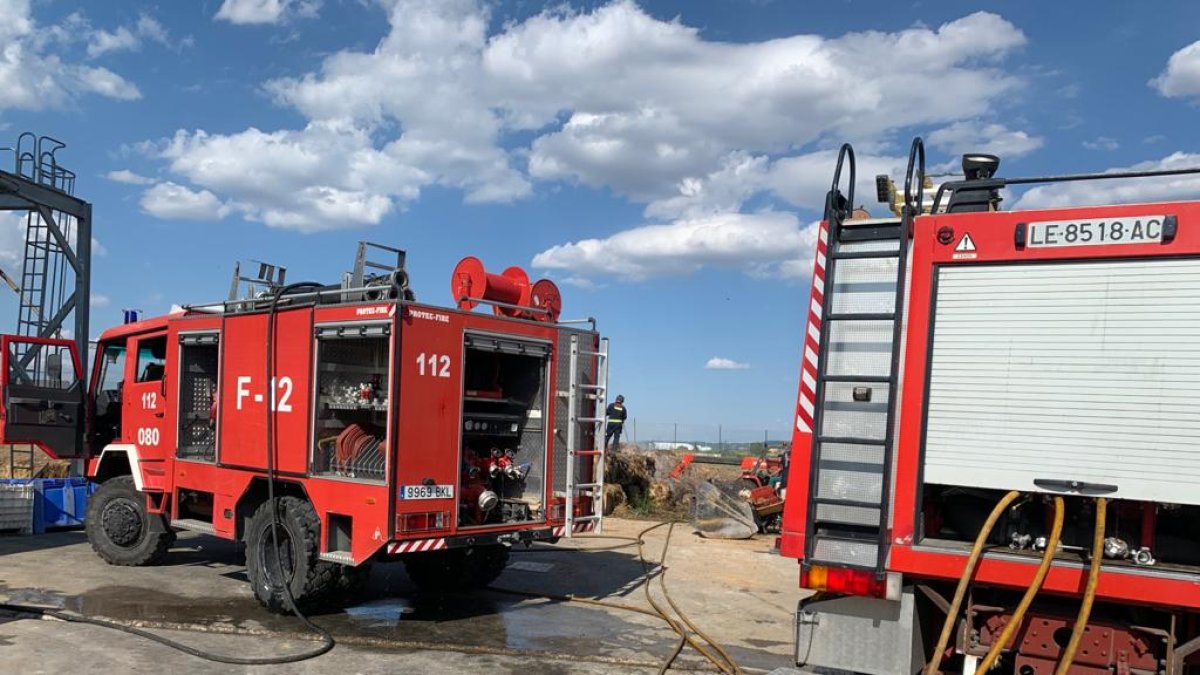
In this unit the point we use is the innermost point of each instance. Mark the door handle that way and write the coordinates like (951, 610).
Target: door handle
(159, 414)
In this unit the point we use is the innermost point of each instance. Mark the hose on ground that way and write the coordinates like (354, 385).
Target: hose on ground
(1019, 614)
(721, 659)
(965, 580)
(1089, 593)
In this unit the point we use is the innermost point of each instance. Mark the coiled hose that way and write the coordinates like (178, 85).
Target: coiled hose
(965, 580)
(1026, 600)
(1089, 593)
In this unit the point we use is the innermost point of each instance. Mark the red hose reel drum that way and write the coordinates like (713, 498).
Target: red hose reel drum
(471, 280)
(471, 283)
(546, 296)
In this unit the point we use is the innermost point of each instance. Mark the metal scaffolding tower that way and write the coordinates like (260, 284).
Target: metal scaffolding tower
(55, 289)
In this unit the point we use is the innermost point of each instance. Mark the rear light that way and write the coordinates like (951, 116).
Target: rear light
(427, 521)
(843, 581)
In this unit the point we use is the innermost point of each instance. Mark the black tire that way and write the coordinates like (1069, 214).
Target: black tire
(456, 569)
(119, 529)
(491, 561)
(310, 579)
(352, 583)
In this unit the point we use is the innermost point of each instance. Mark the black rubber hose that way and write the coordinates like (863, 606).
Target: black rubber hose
(327, 641)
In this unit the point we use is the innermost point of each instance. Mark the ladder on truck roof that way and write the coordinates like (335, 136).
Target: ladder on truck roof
(857, 376)
(579, 392)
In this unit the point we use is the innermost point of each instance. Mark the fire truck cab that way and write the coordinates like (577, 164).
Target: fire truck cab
(997, 433)
(381, 427)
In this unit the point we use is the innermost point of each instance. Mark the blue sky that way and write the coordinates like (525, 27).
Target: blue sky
(662, 161)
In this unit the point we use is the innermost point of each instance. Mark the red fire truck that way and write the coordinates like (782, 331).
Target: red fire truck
(997, 445)
(384, 428)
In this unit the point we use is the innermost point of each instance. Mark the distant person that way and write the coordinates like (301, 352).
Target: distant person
(616, 415)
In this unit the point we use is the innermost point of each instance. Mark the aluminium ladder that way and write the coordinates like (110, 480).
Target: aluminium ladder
(856, 392)
(578, 394)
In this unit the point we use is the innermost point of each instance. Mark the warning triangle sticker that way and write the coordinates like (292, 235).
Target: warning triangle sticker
(965, 244)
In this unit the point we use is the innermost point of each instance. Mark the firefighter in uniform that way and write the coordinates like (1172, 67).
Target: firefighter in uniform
(616, 414)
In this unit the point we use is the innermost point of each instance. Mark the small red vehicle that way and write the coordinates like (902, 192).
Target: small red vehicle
(385, 428)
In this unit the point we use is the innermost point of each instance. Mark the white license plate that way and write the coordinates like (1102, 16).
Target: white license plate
(1099, 232)
(427, 492)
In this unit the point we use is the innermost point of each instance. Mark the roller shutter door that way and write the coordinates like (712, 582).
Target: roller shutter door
(1044, 374)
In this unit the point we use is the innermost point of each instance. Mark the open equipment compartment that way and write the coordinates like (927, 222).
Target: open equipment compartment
(503, 462)
(351, 412)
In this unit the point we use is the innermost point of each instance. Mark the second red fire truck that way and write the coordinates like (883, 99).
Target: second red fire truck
(997, 441)
(383, 428)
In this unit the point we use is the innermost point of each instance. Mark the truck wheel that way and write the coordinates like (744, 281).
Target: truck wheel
(490, 564)
(439, 571)
(119, 529)
(295, 562)
(456, 569)
(352, 582)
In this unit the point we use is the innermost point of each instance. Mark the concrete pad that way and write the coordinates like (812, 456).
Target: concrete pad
(740, 593)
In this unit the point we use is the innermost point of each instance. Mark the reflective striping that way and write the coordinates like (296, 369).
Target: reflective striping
(416, 546)
(806, 403)
(808, 367)
(588, 526)
(810, 355)
(809, 380)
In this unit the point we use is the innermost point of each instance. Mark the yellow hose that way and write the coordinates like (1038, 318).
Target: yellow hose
(1013, 623)
(1089, 594)
(964, 581)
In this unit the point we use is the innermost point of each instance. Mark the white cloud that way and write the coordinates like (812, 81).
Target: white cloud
(610, 97)
(1121, 190)
(976, 136)
(33, 76)
(12, 241)
(129, 177)
(1181, 78)
(99, 300)
(1102, 143)
(127, 38)
(739, 240)
(175, 202)
(721, 363)
(266, 11)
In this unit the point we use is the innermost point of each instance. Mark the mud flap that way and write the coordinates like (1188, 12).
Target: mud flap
(717, 514)
(861, 635)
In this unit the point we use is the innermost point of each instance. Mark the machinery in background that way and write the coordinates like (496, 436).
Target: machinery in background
(738, 510)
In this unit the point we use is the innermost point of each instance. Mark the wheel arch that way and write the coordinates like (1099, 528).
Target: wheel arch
(255, 495)
(118, 460)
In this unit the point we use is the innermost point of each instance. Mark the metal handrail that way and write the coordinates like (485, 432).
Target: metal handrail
(997, 183)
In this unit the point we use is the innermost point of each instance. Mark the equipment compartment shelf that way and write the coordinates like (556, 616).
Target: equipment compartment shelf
(377, 407)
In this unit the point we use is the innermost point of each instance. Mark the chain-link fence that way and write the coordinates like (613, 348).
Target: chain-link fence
(662, 435)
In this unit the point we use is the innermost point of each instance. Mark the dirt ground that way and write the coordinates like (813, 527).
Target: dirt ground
(741, 593)
(14, 463)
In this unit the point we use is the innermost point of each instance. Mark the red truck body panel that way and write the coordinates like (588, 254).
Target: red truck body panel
(993, 236)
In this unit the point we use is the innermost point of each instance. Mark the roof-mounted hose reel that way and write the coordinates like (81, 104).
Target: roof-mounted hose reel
(509, 292)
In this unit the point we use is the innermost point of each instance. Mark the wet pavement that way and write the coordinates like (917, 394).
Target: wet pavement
(739, 592)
